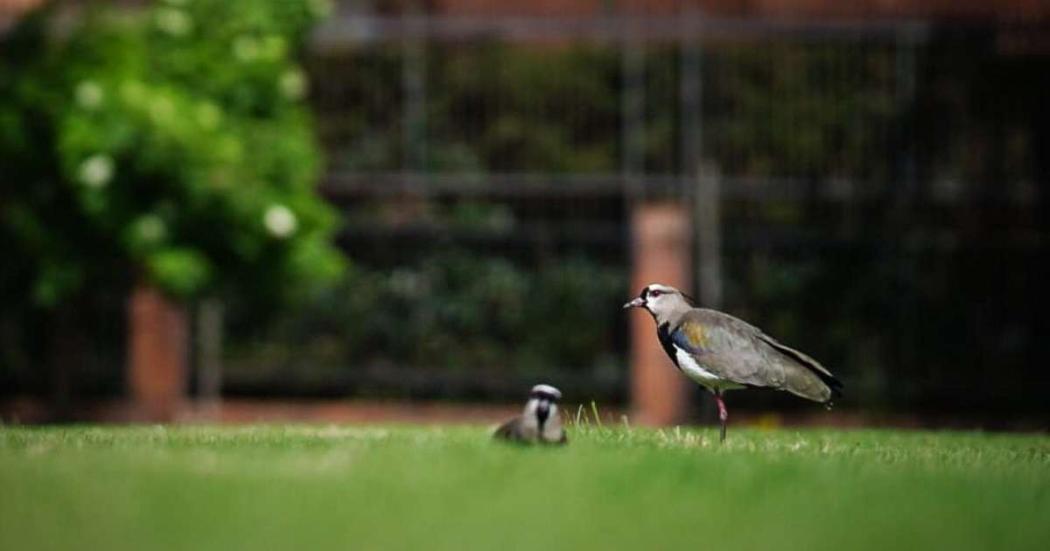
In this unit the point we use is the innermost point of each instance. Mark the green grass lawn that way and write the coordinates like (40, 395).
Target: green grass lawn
(303, 487)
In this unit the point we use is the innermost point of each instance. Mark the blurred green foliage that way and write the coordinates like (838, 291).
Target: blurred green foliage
(169, 143)
(803, 109)
(450, 309)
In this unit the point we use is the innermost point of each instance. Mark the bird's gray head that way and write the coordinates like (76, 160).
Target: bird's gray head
(543, 403)
(662, 301)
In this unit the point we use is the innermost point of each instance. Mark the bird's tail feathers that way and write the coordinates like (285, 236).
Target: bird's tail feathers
(834, 385)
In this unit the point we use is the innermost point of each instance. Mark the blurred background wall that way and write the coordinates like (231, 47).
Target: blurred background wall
(867, 182)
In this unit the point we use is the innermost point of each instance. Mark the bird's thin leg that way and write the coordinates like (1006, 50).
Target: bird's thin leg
(723, 416)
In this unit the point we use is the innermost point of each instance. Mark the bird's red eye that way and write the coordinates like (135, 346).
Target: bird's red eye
(655, 293)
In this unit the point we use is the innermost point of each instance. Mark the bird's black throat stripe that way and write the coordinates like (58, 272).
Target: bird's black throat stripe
(542, 413)
(663, 332)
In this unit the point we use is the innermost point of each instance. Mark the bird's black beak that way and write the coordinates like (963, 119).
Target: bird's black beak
(636, 303)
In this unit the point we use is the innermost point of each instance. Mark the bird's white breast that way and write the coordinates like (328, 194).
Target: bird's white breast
(696, 372)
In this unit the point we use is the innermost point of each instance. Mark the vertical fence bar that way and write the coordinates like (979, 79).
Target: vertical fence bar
(691, 96)
(632, 160)
(413, 83)
(209, 353)
(707, 191)
(708, 223)
(904, 196)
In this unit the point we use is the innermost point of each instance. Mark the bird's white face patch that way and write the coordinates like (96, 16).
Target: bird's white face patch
(552, 428)
(530, 415)
(530, 422)
(531, 406)
(660, 299)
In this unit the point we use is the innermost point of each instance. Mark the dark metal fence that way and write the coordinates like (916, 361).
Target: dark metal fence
(879, 203)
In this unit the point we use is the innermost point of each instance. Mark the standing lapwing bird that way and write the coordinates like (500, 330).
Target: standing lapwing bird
(723, 353)
(539, 422)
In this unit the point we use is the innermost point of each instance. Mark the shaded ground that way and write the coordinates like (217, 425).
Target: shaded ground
(451, 487)
(274, 411)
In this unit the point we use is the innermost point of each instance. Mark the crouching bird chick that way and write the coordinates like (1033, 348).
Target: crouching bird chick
(723, 353)
(540, 421)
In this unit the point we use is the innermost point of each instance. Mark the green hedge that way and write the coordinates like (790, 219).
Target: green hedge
(449, 309)
(172, 141)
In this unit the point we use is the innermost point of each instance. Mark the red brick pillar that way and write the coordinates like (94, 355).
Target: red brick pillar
(660, 234)
(157, 352)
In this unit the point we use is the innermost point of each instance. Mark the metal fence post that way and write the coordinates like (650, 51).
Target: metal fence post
(632, 107)
(209, 353)
(413, 83)
(708, 221)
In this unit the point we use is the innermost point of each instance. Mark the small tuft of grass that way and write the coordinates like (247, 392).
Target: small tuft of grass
(615, 486)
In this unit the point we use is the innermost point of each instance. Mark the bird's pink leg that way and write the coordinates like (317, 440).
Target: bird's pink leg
(723, 416)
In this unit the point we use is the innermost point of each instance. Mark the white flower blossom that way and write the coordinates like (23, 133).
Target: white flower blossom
(151, 229)
(173, 21)
(208, 115)
(161, 109)
(245, 48)
(133, 92)
(280, 221)
(293, 84)
(96, 171)
(89, 94)
(273, 47)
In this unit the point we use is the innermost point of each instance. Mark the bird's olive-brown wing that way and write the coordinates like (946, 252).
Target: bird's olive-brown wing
(739, 352)
(511, 430)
